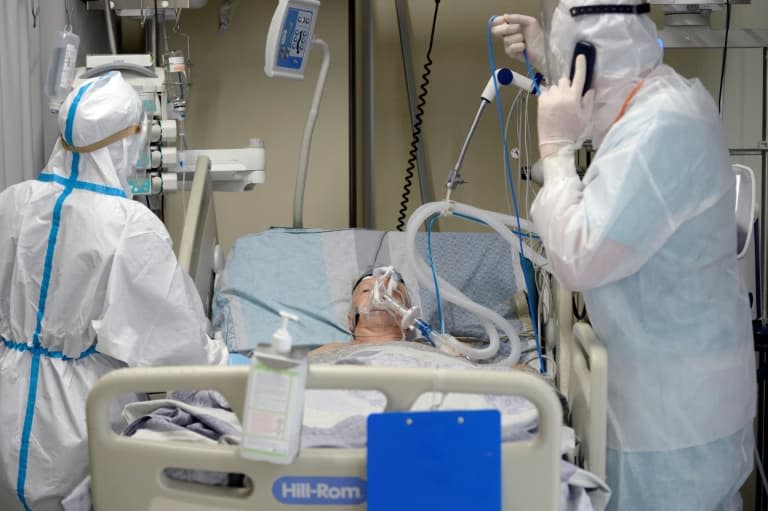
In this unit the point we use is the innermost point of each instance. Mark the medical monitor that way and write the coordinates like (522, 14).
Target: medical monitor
(290, 37)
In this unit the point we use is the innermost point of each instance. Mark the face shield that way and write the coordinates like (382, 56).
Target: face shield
(130, 155)
(143, 155)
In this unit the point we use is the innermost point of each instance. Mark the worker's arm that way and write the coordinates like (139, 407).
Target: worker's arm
(640, 188)
(153, 314)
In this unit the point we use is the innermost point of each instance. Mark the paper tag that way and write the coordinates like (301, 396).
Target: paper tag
(274, 404)
(176, 65)
(68, 67)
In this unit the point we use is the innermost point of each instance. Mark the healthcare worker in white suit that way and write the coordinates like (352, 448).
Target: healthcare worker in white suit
(649, 237)
(88, 283)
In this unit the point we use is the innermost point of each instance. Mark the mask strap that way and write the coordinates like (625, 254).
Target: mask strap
(610, 9)
(124, 133)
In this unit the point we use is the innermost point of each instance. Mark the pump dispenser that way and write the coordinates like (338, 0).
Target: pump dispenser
(282, 341)
(274, 400)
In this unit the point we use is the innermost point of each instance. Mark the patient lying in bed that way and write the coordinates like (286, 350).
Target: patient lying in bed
(373, 325)
(369, 324)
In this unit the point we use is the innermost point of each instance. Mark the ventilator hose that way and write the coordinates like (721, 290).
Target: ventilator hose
(416, 136)
(491, 321)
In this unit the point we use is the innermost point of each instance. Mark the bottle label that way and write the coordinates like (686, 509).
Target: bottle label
(176, 64)
(68, 67)
(273, 409)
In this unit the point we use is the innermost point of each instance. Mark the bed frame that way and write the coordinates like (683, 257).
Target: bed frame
(583, 378)
(127, 473)
(581, 357)
(199, 253)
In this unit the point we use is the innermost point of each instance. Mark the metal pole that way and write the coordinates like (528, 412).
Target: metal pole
(404, 27)
(153, 40)
(454, 178)
(352, 117)
(110, 27)
(764, 177)
(761, 497)
(368, 102)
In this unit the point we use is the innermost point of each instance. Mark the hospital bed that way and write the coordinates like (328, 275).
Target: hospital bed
(582, 378)
(530, 469)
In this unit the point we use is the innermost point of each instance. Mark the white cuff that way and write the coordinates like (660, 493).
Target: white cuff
(560, 165)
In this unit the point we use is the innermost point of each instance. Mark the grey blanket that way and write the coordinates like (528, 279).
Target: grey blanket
(192, 416)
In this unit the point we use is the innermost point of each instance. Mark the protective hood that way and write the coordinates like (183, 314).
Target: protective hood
(100, 108)
(627, 50)
(88, 283)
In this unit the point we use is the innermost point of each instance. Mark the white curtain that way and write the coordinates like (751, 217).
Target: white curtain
(21, 106)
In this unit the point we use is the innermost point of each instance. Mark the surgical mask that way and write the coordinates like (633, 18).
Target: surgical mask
(372, 312)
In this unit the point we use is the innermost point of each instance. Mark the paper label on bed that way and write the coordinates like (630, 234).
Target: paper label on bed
(273, 408)
(304, 491)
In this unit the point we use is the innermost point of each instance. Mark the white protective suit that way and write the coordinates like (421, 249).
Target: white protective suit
(649, 237)
(88, 283)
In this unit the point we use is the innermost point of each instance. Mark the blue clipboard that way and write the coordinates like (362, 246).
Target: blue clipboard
(434, 460)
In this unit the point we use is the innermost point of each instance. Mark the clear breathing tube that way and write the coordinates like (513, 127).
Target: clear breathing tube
(492, 321)
(410, 318)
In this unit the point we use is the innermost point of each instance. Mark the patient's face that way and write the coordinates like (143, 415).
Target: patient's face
(376, 325)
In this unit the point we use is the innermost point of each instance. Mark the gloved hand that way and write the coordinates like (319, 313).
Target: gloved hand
(564, 115)
(520, 32)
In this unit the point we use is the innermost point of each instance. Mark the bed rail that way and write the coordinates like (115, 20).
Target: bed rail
(199, 246)
(588, 397)
(127, 473)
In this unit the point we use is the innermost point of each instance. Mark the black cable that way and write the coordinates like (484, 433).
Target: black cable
(578, 312)
(725, 54)
(157, 37)
(378, 249)
(416, 137)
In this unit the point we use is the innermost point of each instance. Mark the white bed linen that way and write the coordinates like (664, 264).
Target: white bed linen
(338, 418)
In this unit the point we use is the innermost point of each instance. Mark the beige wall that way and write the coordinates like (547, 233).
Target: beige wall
(459, 72)
(232, 101)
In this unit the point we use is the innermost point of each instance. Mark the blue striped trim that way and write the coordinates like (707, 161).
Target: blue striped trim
(82, 185)
(48, 264)
(71, 114)
(48, 353)
(29, 416)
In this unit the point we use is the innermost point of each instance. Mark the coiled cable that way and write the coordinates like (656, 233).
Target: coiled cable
(416, 136)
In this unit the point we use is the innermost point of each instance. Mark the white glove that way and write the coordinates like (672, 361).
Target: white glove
(564, 115)
(520, 32)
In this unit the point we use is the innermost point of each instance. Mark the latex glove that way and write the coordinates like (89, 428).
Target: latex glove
(564, 115)
(520, 32)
